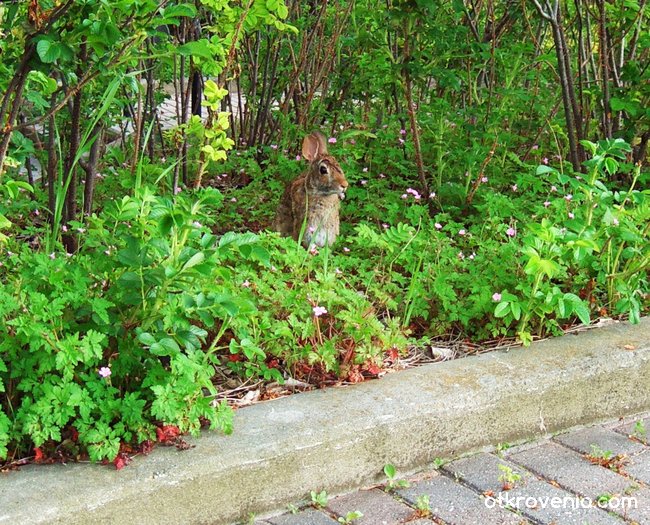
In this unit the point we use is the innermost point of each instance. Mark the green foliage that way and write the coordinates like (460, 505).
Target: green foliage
(350, 517)
(319, 499)
(393, 483)
(172, 289)
(508, 477)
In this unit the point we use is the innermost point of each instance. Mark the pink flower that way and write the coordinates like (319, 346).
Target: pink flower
(546, 204)
(311, 229)
(438, 226)
(514, 187)
(385, 226)
(298, 157)
(197, 224)
(346, 249)
(234, 199)
(472, 256)
(364, 182)
(545, 160)
(484, 179)
(461, 255)
(313, 249)
(177, 191)
(461, 232)
(105, 371)
(402, 132)
(382, 176)
(496, 296)
(332, 140)
(553, 188)
(535, 146)
(404, 196)
(401, 141)
(568, 197)
(365, 170)
(432, 195)
(352, 141)
(615, 221)
(246, 284)
(511, 232)
(571, 216)
(52, 256)
(274, 146)
(64, 228)
(36, 212)
(319, 310)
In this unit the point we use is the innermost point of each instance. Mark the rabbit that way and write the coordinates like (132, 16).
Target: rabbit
(312, 199)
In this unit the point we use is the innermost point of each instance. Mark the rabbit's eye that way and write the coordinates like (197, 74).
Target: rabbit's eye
(323, 169)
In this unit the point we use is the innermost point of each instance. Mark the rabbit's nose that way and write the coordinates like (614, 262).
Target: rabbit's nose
(344, 186)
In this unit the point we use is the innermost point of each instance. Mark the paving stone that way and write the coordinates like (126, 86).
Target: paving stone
(639, 512)
(570, 470)
(544, 503)
(639, 467)
(378, 507)
(602, 438)
(482, 473)
(629, 429)
(305, 517)
(456, 504)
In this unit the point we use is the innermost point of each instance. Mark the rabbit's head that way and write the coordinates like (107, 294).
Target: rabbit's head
(325, 176)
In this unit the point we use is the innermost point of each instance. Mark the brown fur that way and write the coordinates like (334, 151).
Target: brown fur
(313, 198)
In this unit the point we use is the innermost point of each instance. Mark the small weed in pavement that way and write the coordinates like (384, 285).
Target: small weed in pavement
(640, 433)
(392, 483)
(349, 518)
(508, 477)
(607, 459)
(423, 506)
(319, 499)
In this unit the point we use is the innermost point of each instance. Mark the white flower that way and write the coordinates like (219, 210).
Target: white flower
(319, 310)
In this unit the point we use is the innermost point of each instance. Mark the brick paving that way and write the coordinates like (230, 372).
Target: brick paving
(557, 481)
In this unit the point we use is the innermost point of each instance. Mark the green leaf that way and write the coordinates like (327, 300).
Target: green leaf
(187, 10)
(146, 339)
(611, 165)
(48, 51)
(502, 309)
(542, 169)
(578, 306)
(282, 11)
(198, 48)
(516, 310)
(197, 258)
(166, 346)
(390, 471)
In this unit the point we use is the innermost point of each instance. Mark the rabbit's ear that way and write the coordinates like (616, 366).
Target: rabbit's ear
(322, 142)
(313, 146)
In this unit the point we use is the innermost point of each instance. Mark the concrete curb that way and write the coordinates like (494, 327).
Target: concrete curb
(339, 439)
